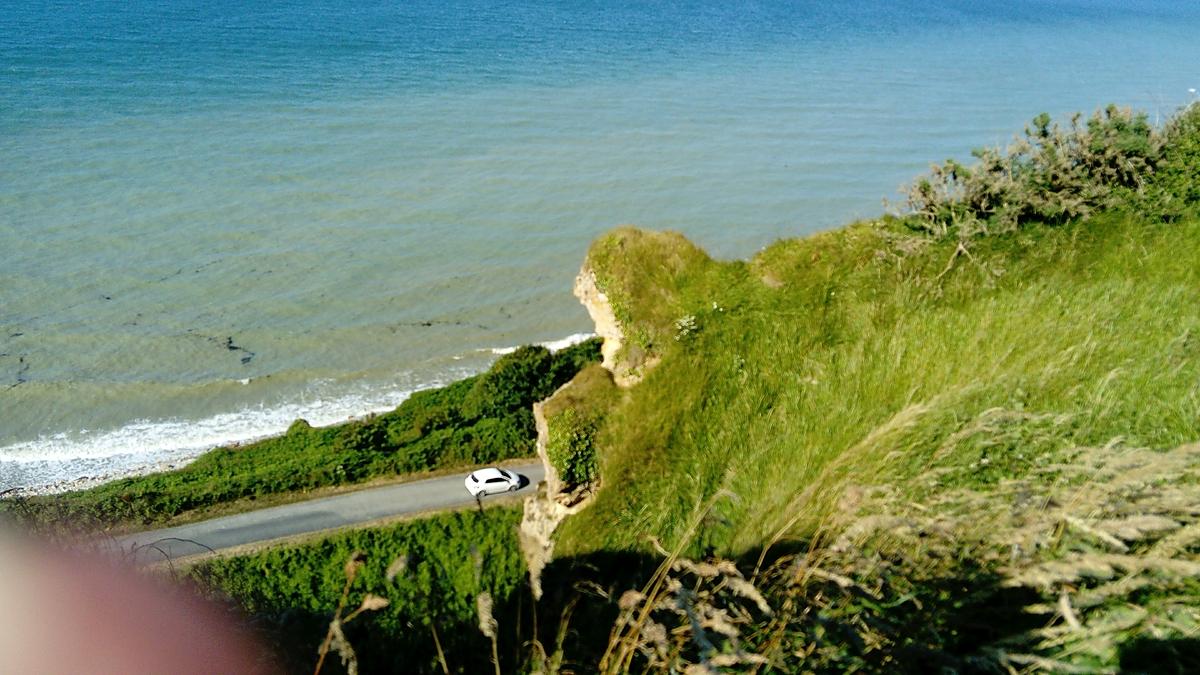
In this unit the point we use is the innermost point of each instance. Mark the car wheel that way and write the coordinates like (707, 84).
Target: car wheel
(514, 488)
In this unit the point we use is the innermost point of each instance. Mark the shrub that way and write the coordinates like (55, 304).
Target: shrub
(512, 383)
(574, 416)
(571, 446)
(361, 435)
(1050, 175)
(1177, 180)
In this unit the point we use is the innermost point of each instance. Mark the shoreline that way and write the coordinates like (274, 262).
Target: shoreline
(86, 482)
(179, 456)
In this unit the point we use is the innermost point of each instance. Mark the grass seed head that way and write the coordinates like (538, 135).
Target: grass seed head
(487, 623)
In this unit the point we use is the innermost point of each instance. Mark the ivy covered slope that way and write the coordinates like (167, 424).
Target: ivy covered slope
(1046, 298)
(480, 419)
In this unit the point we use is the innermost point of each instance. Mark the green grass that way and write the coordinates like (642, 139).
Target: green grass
(867, 348)
(909, 434)
(1094, 322)
(914, 433)
(290, 593)
(481, 419)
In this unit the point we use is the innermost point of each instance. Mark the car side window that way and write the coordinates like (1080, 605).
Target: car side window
(495, 480)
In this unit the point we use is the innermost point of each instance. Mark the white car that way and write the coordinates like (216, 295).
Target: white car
(492, 481)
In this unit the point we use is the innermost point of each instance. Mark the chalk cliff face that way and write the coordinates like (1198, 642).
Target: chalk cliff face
(631, 258)
(545, 511)
(628, 367)
(553, 481)
(553, 502)
(600, 309)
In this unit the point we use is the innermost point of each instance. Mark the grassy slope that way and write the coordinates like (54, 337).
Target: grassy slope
(976, 432)
(481, 419)
(866, 348)
(446, 561)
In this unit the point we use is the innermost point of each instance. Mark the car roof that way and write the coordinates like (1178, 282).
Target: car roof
(490, 472)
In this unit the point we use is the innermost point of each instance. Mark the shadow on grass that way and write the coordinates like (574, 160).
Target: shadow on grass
(915, 625)
(404, 642)
(1162, 657)
(913, 620)
(938, 624)
(294, 637)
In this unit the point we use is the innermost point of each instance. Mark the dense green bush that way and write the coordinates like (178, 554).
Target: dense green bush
(572, 446)
(481, 419)
(1177, 180)
(1116, 159)
(574, 416)
(515, 380)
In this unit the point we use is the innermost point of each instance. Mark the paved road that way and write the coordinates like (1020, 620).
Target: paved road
(329, 513)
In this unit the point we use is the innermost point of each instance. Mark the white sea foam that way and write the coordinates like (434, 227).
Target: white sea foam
(144, 444)
(552, 345)
(69, 460)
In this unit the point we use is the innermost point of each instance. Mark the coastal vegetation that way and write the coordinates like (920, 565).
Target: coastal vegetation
(869, 348)
(481, 419)
(1052, 175)
(416, 584)
(964, 437)
(573, 418)
(960, 437)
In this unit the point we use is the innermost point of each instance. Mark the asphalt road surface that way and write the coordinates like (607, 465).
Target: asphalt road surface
(329, 513)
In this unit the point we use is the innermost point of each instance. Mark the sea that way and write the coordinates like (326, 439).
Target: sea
(217, 217)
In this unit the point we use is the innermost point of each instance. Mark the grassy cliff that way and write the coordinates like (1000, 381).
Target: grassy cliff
(855, 343)
(884, 341)
(963, 436)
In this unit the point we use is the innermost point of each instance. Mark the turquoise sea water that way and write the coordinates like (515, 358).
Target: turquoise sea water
(218, 216)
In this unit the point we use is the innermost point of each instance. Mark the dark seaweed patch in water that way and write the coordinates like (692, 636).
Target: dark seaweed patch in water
(228, 344)
(22, 372)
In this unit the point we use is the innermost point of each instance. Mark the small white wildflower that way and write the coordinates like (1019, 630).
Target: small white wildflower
(685, 326)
